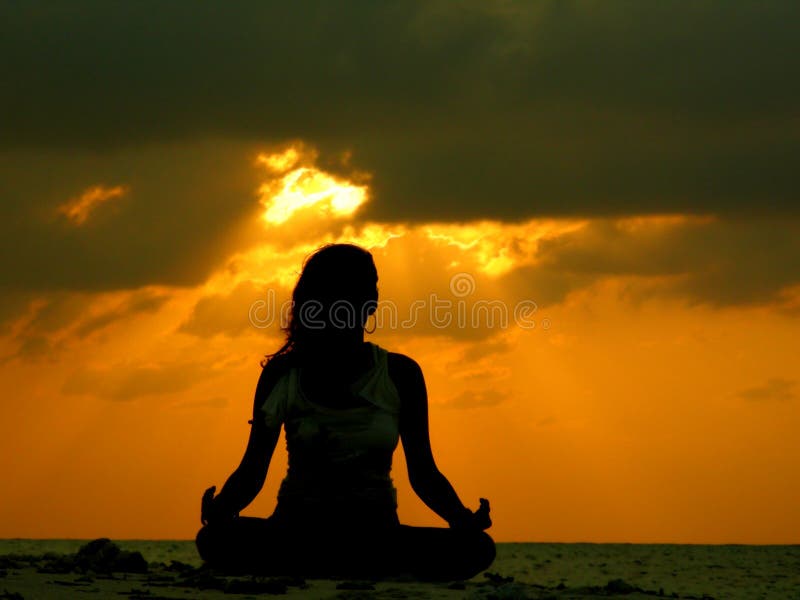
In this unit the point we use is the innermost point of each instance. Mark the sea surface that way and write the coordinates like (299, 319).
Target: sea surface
(521, 570)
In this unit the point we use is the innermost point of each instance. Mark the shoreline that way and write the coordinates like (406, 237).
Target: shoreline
(171, 569)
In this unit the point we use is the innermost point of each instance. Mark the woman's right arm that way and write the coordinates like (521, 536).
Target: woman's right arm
(246, 481)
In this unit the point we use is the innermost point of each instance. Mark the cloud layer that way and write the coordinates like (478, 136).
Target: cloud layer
(503, 110)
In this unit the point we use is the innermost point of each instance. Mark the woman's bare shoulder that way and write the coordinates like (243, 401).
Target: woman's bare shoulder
(405, 373)
(271, 372)
(402, 363)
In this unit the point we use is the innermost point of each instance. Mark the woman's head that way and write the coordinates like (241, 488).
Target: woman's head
(335, 294)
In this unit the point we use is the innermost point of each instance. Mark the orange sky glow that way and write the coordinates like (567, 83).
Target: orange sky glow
(587, 403)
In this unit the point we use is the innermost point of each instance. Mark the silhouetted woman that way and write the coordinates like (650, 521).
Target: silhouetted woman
(343, 403)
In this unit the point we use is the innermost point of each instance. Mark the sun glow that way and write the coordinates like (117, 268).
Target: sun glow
(498, 247)
(305, 187)
(280, 162)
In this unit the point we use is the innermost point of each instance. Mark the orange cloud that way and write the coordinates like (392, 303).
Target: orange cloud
(78, 209)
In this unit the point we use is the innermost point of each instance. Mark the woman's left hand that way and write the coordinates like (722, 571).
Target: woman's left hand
(480, 518)
(475, 520)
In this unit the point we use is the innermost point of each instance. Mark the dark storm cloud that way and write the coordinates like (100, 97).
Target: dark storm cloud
(460, 110)
(171, 227)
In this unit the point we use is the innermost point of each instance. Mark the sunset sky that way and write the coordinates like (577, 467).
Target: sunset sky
(619, 179)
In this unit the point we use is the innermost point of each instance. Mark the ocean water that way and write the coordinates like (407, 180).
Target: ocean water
(556, 570)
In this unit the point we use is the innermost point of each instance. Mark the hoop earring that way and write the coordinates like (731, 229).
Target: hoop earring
(374, 324)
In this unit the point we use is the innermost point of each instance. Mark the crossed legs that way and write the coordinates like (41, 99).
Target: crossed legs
(270, 547)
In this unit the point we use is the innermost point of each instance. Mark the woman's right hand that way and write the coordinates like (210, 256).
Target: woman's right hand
(212, 508)
(207, 505)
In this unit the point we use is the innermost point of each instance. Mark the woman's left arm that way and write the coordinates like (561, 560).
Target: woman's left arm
(427, 481)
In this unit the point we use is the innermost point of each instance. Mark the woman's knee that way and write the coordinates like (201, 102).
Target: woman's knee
(204, 542)
(212, 542)
(463, 556)
(485, 550)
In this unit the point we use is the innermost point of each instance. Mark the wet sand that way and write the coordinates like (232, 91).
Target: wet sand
(45, 569)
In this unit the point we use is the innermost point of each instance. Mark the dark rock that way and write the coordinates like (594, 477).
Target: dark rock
(98, 555)
(620, 586)
(497, 578)
(104, 556)
(129, 562)
(179, 567)
(6, 595)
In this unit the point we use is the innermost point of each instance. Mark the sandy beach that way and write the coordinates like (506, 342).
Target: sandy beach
(46, 569)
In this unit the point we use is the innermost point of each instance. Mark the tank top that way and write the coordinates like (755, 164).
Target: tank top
(339, 458)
